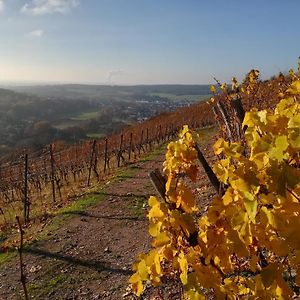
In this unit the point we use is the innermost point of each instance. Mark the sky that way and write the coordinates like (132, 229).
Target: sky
(146, 41)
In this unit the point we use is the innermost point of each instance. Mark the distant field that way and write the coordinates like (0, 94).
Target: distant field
(76, 120)
(63, 124)
(174, 97)
(85, 116)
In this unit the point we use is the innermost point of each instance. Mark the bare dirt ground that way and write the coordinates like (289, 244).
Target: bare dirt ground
(90, 256)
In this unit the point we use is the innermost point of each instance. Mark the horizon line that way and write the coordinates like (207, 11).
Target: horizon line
(8, 83)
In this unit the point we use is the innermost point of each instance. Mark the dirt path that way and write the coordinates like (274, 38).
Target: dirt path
(91, 255)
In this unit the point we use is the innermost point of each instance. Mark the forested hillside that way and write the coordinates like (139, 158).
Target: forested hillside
(32, 117)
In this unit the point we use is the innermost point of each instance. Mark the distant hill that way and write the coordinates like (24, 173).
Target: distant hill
(32, 116)
(80, 90)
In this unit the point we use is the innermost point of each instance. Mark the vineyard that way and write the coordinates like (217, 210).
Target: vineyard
(247, 244)
(236, 221)
(33, 184)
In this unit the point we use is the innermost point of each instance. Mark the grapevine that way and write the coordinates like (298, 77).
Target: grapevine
(247, 245)
(33, 184)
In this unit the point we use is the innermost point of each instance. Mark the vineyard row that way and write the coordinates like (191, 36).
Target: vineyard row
(31, 183)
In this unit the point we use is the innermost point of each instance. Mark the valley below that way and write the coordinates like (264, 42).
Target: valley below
(34, 116)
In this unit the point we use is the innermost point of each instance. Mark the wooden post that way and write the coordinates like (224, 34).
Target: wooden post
(57, 180)
(105, 155)
(209, 172)
(159, 134)
(26, 204)
(95, 164)
(130, 147)
(22, 265)
(166, 133)
(147, 136)
(91, 161)
(149, 140)
(172, 131)
(159, 182)
(141, 142)
(52, 176)
(239, 110)
(239, 116)
(120, 150)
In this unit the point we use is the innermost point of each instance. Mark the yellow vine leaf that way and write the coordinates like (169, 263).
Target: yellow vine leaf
(183, 267)
(142, 270)
(247, 244)
(294, 88)
(155, 212)
(136, 284)
(161, 239)
(279, 150)
(213, 89)
(153, 201)
(154, 228)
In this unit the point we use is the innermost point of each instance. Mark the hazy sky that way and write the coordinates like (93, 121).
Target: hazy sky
(146, 41)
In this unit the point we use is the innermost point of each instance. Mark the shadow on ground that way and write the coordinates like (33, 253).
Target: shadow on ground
(93, 264)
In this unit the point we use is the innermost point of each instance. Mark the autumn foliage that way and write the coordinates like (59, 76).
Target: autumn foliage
(247, 245)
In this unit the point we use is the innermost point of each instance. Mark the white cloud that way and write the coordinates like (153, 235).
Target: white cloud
(43, 7)
(1, 5)
(38, 33)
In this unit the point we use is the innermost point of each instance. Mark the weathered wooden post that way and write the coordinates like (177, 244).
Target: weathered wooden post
(141, 142)
(120, 150)
(52, 175)
(105, 155)
(147, 137)
(130, 147)
(91, 161)
(26, 202)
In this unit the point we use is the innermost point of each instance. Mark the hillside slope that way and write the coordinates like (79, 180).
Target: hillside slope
(88, 253)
